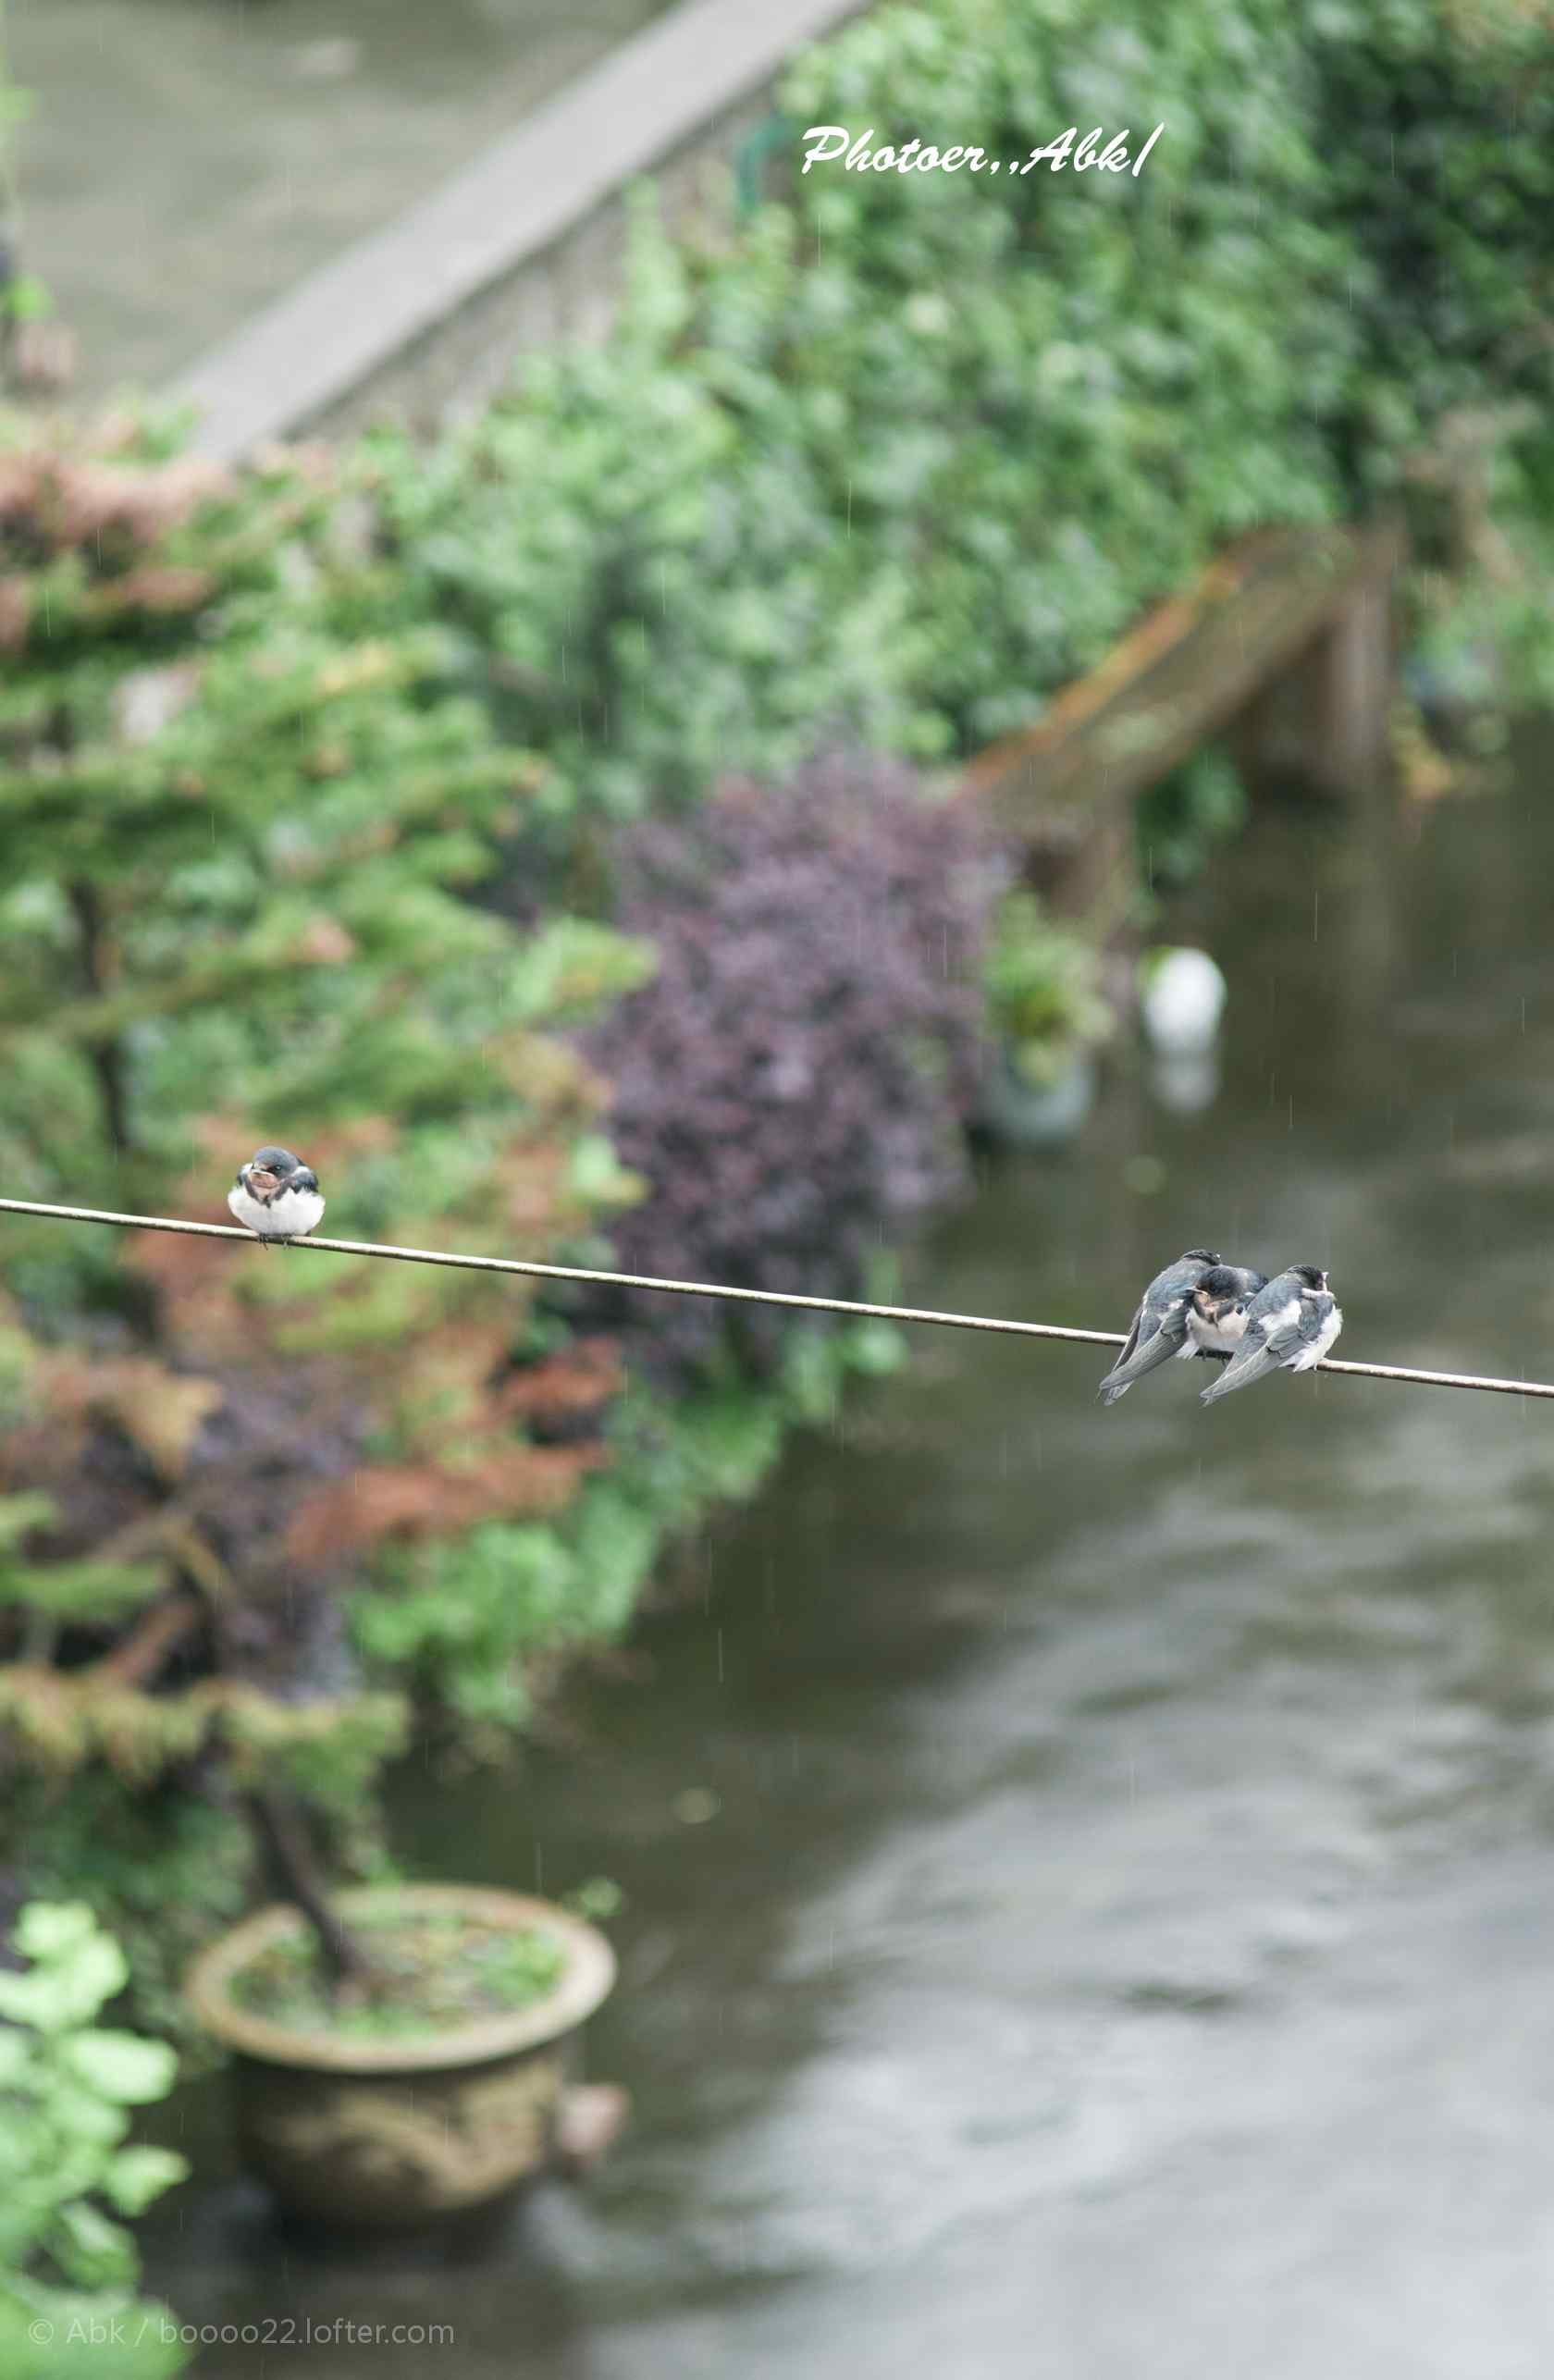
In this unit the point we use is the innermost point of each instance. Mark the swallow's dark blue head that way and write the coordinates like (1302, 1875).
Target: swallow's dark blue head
(270, 1160)
(1221, 1281)
(1312, 1275)
(1201, 1256)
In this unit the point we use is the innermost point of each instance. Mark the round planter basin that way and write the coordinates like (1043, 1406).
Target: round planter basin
(1027, 1115)
(393, 2134)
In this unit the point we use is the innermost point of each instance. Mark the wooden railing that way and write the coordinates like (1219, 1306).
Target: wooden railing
(1283, 647)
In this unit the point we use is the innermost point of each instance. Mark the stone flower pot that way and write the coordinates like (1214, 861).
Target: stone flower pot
(389, 2135)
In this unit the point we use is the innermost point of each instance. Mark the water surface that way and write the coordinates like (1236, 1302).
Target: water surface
(188, 160)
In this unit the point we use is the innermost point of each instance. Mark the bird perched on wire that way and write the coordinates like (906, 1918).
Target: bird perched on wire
(1289, 1325)
(1159, 1328)
(1216, 1311)
(276, 1196)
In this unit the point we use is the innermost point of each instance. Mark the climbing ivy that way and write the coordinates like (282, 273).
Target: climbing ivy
(911, 450)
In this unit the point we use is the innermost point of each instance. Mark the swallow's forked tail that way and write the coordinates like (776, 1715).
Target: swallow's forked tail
(1249, 1363)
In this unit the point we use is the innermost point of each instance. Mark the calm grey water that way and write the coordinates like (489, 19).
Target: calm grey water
(1124, 1941)
(188, 160)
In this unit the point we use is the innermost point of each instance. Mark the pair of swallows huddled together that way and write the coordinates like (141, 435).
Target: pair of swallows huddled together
(1200, 1306)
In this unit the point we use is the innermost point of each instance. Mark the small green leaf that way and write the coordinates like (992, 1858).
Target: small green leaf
(49, 1929)
(123, 2067)
(138, 2175)
(28, 2000)
(78, 2113)
(87, 1591)
(67, 1989)
(19, 1515)
(96, 2252)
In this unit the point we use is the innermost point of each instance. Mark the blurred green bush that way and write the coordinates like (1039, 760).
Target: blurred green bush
(67, 2268)
(915, 449)
(1044, 998)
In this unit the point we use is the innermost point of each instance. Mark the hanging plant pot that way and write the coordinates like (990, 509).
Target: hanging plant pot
(353, 2127)
(1026, 1114)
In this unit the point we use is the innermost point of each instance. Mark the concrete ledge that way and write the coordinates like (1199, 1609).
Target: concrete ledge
(336, 348)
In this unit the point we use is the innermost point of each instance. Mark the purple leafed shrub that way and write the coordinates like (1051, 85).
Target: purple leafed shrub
(791, 1083)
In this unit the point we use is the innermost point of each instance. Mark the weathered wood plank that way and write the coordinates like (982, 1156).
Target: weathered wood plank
(1195, 665)
(1324, 717)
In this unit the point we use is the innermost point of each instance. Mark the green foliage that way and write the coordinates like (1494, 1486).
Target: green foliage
(86, 1591)
(162, 1866)
(683, 1456)
(245, 831)
(246, 865)
(641, 591)
(1480, 623)
(1178, 822)
(329, 1749)
(915, 449)
(1434, 121)
(460, 1616)
(1044, 989)
(69, 2268)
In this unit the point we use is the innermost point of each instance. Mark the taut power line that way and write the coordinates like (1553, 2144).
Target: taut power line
(857, 1309)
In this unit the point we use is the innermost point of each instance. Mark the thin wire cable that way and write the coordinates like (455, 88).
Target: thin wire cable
(852, 1306)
